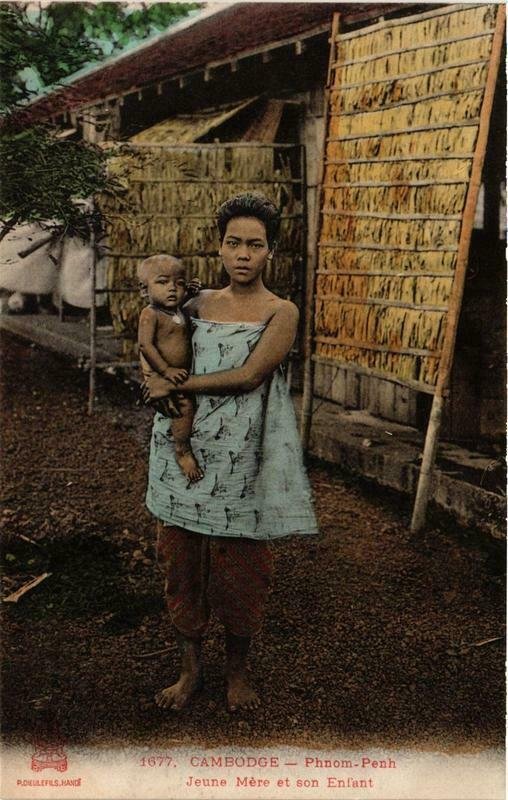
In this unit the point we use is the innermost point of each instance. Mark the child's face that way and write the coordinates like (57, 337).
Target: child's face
(166, 286)
(244, 249)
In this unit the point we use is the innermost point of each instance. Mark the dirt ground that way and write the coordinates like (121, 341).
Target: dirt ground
(370, 638)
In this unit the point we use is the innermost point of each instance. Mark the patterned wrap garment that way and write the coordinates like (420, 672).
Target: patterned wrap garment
(255, 484)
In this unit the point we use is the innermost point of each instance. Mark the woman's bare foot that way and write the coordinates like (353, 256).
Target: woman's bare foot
(191, 679)
(240, 693)
(189, 466)
(178, 695)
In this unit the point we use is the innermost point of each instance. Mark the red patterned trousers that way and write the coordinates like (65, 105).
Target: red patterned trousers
(229, 575)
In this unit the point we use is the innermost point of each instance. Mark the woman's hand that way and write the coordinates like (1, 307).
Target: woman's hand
(159, 393)
(156, 387)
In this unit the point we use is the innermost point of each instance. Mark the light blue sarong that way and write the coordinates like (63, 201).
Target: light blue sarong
(255, 483)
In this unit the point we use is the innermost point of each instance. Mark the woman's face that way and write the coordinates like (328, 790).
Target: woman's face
(244, 249)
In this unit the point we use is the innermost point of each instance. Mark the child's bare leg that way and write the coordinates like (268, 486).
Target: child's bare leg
(178, 695)
(240, 693)
(181, 429)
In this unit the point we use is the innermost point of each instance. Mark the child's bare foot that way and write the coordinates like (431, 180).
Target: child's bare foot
(240, 694)
(189, 466)
(178, 695)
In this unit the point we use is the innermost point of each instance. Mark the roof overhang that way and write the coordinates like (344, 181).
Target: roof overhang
(226, 33)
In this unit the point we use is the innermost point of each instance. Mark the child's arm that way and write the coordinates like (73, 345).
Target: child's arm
(146, 336)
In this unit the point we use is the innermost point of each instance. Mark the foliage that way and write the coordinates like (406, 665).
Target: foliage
(44, 177)
(61, 38)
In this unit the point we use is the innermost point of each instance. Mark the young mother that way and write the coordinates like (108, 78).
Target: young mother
(213, 536)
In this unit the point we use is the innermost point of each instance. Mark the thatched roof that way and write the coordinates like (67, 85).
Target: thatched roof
(188, 127)
(228, 32)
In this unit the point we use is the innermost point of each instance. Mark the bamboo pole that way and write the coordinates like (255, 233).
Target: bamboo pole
(416, 46)
(410, 102)
(344, 212)
(126, 146)
(344, 299)
(312, 263)
(60, 300)
(207, 181)
(381, 184)
(386, 273)
(401, 22)
(380, 348)
(420, 74)
(296, 351)
(376, 134)
(391, 247)
(434, 426)
(93, 330)
(412, 157)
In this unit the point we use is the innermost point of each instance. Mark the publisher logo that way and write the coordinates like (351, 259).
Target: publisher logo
(48, 756)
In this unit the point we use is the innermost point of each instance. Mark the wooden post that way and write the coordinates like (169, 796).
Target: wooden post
(445, 364)
(310, 272)
(93, 330)
(59, 295)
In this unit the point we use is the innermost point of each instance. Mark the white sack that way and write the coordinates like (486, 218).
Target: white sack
(75, 283)
(35, 274)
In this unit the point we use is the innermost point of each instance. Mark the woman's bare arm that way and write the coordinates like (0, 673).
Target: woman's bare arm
(273, 346)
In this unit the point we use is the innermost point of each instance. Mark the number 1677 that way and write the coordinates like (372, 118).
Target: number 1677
(156, 761)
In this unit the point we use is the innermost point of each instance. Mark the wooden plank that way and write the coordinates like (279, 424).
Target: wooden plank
(405, 405)
(366, 395)
(352, 393)
(338, 385)
(418, 386)
(265, 127)
(319, 379)
(386, 399)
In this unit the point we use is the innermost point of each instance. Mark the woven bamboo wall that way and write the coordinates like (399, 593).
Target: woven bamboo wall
(170, 197)
(404, 104)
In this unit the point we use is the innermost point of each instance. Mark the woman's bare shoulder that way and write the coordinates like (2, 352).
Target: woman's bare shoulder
(284, 309)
